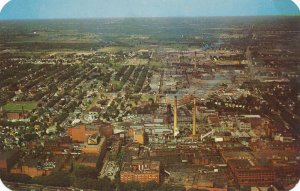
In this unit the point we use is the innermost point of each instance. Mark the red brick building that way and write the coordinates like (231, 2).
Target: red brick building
(106, 129)
(17, 116)
(141, 171)
(81, 132)
(249, 174)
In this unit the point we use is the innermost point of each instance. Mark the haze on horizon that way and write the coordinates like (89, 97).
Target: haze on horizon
(51, 9)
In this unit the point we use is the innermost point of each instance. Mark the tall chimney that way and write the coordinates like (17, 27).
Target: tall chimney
(201, 125)
(194, 117)
(175, 116)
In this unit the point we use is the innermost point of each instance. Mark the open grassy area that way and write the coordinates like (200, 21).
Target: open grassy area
(118, 84)
(113, 49)
(155, 64)
(146, 97)
(19, 106)
(137, 61)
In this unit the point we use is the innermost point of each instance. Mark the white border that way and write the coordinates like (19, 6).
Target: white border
(3, 187)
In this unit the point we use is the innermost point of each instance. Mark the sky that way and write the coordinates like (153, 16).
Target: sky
(49, 9)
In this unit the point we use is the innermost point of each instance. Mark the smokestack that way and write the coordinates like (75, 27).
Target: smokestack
(194, 117)
(175, 115)
(201, 121)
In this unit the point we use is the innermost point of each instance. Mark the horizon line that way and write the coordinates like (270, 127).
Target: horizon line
(150, 17)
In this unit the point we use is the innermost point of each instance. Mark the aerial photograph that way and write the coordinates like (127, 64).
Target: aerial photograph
(149, 95)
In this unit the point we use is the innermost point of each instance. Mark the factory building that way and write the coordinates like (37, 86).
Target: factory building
(81, 132)
(249, 174)
(141, 171)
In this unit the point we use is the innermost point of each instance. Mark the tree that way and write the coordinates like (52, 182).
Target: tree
(106, 184)
(56, 179)
(87, 172)
(11, 177)
(195, 189)
(149, 186)
(88, 183)
(120, 119)
(132, 186)
(167, 187)
(30, 137)
(245, 188)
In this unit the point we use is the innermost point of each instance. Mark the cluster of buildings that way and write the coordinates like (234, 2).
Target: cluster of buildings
(84, 145)
(227, 148)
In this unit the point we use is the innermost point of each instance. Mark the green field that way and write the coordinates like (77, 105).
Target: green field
(19, 106)
(146, 97)
(119, 85)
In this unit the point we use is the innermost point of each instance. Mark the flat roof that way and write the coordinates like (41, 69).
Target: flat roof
(240, 163)
(237, 155)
